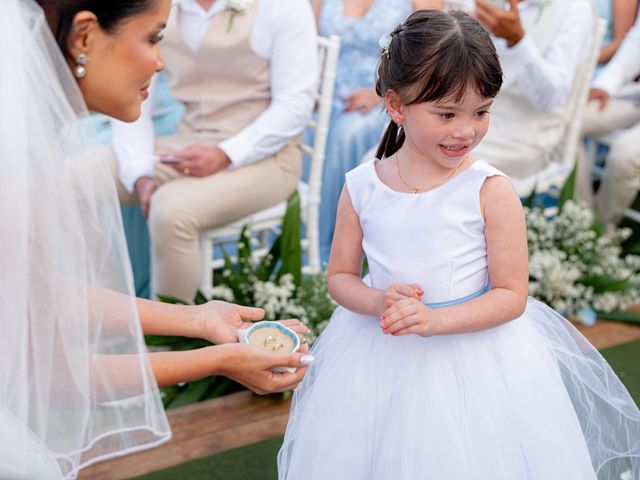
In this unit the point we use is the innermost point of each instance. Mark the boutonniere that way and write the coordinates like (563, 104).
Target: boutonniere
(236, 7)
(542, 4)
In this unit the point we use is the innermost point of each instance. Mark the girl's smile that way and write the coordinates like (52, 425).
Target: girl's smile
(440, 135)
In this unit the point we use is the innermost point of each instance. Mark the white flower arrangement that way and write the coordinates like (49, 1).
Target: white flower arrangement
(236, 7)
(575, 268)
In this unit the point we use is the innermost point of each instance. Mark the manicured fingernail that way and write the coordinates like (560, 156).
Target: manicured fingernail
(307, 360)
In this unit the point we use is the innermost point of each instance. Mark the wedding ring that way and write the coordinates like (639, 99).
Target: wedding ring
(277, 347)
(269, 339)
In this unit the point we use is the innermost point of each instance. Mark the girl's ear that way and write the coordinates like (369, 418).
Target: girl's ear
(85, 29)
(394, 105)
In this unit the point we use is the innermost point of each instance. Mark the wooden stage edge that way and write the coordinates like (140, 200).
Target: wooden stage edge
(242, 418)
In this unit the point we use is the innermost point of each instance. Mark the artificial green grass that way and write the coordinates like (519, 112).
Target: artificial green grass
(625, 361)
(258, 461)
(253, 462)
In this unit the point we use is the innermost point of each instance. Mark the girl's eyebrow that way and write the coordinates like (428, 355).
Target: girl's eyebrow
(454, 106)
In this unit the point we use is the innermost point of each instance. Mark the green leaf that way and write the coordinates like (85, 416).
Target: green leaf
(244, 247)
(569, 188)
(268, 263)
(235, 278)
(221, 386)
(200, 298)
(193, 392)
(598, 226)
(175, 343)
(633, 249)
(606, 284)
(530, 199)
(622, 316)
(290, 240)
(169, 299)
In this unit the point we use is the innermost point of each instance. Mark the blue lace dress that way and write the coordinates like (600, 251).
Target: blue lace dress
(352, 134)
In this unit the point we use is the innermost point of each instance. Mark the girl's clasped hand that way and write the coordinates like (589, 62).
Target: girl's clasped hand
(405, 313)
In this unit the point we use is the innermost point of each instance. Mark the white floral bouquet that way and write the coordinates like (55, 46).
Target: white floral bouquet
(577, 267)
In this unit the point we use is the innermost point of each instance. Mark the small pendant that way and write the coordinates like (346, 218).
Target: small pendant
(415, 190)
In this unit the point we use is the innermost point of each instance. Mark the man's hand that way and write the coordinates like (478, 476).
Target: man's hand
(200, 160)
(145, 186)
(363, 99)
(600, 96)
(502, 23)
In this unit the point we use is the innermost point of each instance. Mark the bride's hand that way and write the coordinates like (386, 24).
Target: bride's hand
(251, 366)
(221, 321)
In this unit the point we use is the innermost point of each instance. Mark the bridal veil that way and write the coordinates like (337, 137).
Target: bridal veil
(76, 385)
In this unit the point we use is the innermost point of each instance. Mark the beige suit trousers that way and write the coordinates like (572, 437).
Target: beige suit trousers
(622, 169)
(183, 206)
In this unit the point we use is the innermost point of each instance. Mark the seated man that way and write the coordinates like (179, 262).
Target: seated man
(605, 115)
(248, 80)
(540, 45)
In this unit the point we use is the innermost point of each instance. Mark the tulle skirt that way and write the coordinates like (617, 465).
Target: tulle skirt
(529, 399)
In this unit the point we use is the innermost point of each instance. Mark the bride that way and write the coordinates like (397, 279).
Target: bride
(76, 383)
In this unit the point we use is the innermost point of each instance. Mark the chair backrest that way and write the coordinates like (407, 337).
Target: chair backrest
(579, 97)
(563, 158)
(328, 51)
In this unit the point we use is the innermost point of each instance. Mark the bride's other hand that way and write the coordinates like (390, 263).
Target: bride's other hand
(221, 320)
(297, 326)
(251, 366)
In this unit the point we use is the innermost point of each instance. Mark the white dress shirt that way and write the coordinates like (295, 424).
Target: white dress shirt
(283, 32)
(546, 80)
(625, 64)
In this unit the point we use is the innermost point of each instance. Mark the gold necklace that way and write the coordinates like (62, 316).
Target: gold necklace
(415, 190)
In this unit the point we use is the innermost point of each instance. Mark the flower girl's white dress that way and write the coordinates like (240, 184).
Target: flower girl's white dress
(527, 400)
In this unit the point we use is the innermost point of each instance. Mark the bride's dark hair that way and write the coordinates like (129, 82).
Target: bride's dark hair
(111, 13)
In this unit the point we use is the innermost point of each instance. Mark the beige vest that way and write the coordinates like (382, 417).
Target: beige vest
(512, 116)
(225, 86)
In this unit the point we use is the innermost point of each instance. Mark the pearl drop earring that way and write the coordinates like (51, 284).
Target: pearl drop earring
(81, 59)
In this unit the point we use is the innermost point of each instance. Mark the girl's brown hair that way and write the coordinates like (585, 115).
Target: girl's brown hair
(433, 56)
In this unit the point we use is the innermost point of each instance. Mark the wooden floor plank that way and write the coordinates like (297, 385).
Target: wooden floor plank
(202, 429)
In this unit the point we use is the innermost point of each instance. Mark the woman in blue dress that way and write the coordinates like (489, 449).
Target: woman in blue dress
(357, 119)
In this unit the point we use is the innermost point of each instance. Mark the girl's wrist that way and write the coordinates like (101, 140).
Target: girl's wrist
(436, 323)
(379, 308)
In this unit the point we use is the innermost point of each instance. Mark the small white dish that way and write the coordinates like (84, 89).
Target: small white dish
(271, 336)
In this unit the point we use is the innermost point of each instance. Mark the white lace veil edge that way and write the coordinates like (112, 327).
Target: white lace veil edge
(76, 385)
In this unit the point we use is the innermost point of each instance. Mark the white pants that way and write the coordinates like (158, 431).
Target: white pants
(622, 169)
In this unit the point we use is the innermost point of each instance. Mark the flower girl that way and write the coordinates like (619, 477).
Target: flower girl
(437, 365)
